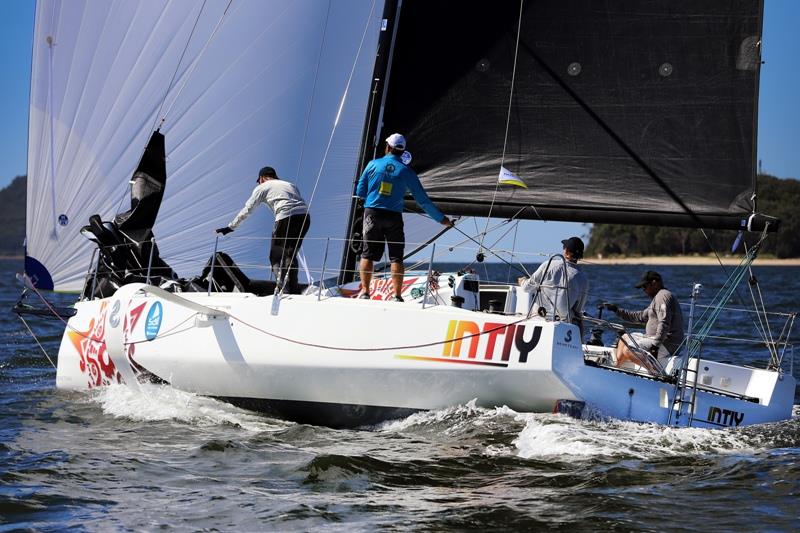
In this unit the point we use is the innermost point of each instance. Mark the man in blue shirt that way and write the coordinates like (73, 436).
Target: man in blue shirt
(383, 184)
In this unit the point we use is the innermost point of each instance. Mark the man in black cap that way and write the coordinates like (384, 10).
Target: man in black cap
(291, 224)
(561, 290)
(663, 324)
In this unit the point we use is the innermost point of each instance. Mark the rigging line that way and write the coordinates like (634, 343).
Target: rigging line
(313, 90)
(611, 133)
(297, 250)
(491, 248)
(417, 249)
(180, 60)
(335, 125)
(521, 270)
(499, 327)
(37, 342)
(341, 106)
(513, 248)
(725, 270)
(508, 120)
(175, 73)
(769, 339)
(87, 336)
(196, 61)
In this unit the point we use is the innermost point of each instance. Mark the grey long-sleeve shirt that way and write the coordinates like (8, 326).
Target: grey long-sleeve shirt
(662, 318)
(553, 297)
(282, 197)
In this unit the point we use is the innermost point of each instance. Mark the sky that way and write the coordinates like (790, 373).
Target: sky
(778, 119)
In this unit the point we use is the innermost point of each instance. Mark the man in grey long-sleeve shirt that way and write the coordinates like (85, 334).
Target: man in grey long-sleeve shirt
(291, 223)
(663, 322)
(561, 288)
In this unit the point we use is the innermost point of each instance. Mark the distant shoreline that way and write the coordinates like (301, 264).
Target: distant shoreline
(686, 260)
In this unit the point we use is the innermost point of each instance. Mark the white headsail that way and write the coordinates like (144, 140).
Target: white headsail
(240, 84)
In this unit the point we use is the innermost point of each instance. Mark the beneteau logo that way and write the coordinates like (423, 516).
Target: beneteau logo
(465, 339)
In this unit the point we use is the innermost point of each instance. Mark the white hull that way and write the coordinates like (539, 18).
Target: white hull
(340, 361)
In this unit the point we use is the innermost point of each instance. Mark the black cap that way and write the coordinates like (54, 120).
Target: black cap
(574, 245)
(647, 277)
(267, 171)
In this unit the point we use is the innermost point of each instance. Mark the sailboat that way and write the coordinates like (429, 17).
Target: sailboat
(146, 118)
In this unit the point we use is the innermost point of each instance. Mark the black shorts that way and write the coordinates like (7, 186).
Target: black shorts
(382, 225)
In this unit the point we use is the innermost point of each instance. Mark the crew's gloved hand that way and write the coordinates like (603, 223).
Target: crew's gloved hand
(611, 307)
(224, 231)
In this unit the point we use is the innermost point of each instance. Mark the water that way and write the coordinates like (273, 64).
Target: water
(117, 459)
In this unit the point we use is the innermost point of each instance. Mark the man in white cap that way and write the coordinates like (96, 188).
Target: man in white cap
(383, 185)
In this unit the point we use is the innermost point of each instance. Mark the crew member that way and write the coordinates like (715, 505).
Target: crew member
(383, 185)
(561, 287)
(663, 329)
(291, 224)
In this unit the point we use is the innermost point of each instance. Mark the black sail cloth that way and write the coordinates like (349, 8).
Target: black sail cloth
(632, 111)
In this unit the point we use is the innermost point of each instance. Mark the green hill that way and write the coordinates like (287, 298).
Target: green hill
(12, 217)
(776, 197)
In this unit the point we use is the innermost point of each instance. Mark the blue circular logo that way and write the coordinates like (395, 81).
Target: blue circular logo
(63, 219)
(153, 322)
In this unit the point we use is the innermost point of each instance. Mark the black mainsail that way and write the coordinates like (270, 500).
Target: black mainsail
(632, 111)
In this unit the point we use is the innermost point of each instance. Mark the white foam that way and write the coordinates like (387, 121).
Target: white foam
(162, 402)
(453, 418)
(548, 436)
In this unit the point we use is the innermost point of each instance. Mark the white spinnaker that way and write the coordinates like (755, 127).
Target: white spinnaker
(264, 89)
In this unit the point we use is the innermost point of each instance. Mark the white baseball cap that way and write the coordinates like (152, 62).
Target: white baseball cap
(395, 140)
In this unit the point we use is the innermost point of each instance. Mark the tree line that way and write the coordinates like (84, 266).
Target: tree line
(776, 197)
(12, 217)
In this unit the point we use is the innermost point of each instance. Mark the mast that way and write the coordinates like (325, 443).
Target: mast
(759, 55)
(371, 131)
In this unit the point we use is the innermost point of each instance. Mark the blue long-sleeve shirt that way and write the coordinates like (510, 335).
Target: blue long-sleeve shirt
(384, 183)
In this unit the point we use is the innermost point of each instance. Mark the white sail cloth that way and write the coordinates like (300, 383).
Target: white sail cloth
(258, 84)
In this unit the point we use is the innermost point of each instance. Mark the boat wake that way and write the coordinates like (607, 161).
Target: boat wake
(495, 432)
(545, 436)
(150, 403)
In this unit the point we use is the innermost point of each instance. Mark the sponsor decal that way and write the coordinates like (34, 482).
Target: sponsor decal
(465, 340)
(93, 358)
(153, 322)
(114, 318)
(724, 417)
(383, 289)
